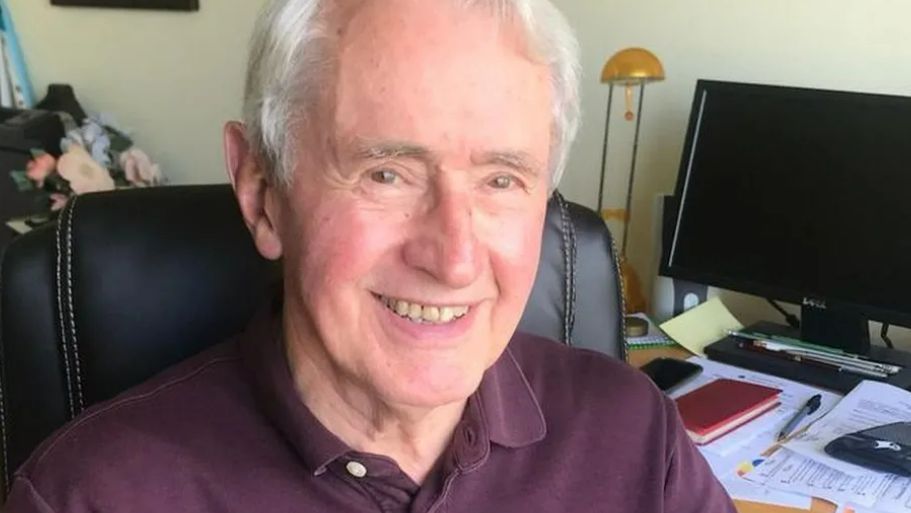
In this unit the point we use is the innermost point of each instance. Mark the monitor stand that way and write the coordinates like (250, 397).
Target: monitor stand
(832, 327)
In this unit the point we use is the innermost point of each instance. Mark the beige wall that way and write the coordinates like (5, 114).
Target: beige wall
(171, 79)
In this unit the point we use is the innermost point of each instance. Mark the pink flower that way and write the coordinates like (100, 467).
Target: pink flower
(82, 172)
(139, 169)
(39, 168)
(58, 201)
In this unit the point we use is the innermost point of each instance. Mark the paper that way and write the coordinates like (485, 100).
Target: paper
(896, 498)
(735, 454)
(702, 325)
(791, 472)
(870, 404)
(19, 225)
(765, 428)
(730, 469)
(872, 492)
(743, 490)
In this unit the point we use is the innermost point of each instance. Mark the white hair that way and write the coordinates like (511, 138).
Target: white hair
(289, 56)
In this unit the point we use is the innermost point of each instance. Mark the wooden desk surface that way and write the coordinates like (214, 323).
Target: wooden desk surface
(639, 357)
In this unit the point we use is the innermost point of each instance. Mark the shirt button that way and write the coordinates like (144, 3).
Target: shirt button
(356, 469)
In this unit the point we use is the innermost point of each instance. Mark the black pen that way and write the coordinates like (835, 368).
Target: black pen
(808, 409)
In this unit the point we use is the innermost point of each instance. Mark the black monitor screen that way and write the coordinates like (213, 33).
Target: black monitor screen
(792, 193)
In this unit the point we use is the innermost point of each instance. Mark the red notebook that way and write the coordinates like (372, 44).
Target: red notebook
(717, 408)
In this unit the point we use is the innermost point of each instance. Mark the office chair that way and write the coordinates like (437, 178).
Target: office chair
(127, 283)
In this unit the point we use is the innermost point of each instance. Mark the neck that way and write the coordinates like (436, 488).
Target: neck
(415, 438)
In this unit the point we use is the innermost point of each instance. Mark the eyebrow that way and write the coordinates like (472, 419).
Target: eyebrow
(518, 160)
(382, 150)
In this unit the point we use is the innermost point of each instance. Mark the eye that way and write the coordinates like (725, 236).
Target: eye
(384, 176)
(502, 182)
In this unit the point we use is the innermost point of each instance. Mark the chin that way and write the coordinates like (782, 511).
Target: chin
(429, 386)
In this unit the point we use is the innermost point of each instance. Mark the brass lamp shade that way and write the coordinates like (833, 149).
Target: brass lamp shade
(632, 66)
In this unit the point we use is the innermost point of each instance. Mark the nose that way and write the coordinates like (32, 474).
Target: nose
(445, 243)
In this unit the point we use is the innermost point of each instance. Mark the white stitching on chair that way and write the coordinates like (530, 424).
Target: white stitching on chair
(568, 234)
(69, 285)
(66, 360)
(622, 290)
(3, 442)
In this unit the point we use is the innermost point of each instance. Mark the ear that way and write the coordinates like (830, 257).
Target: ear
(257, 195)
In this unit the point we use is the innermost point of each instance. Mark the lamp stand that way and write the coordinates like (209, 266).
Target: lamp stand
(610, 101)
(632, 170)
(631, 286)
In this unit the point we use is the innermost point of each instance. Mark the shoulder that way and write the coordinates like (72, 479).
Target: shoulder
(148, 424)
(555, 369)
(588, 393)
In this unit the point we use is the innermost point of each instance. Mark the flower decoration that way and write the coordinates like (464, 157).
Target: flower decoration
(39, 168)
(83, 173)
(93, 157)
(139, 169)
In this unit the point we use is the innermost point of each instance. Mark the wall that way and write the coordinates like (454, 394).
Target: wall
(846, 45)
(170, 78)
(174, 78)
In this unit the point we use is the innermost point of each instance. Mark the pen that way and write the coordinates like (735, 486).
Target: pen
(808, 409)
(784, 340)
(867, 368)
(805, 360)
(837, 357)
(816, 360)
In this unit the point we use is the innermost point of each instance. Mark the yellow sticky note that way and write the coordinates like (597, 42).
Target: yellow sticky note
(702, 325)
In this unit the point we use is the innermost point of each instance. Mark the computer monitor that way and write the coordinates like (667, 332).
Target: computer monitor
(800, 195)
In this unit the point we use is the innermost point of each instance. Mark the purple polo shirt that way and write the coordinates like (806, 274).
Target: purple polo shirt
(551, 429)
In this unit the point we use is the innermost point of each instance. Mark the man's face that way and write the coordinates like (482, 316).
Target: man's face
(412, 230)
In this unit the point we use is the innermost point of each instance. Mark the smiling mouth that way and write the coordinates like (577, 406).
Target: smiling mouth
(423, 314)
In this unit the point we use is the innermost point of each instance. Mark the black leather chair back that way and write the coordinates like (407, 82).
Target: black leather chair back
(577, 297)
(128, 283)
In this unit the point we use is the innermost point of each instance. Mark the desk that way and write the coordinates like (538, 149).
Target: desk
(639, 357)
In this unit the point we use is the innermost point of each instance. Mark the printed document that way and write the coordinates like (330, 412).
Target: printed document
(870, 404)
(791, 472)
(765, 428)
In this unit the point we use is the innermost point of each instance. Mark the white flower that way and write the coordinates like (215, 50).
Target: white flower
(91, 131)
(73, 138)
(82, 172)
(99, 148)
(139, 169)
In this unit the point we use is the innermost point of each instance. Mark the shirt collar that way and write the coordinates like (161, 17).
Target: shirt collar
(504, 409)
(509, 406)
(263, 352)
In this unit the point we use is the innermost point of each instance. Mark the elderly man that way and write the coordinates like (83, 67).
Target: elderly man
(397, 156)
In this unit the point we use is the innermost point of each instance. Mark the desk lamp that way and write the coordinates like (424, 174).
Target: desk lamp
(629, 67)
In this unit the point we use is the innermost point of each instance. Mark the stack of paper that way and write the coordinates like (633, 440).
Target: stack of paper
(734, 455)
(802, 466)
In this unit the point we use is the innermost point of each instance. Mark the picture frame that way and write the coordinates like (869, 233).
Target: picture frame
(171, 5)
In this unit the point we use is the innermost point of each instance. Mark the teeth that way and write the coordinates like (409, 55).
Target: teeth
(431, 314)
(424, 314)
